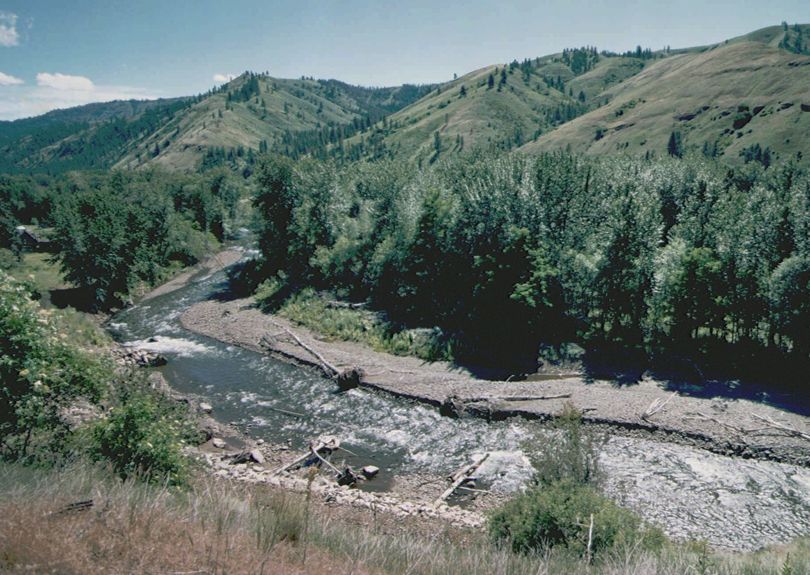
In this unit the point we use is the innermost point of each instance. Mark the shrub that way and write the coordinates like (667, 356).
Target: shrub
(571, 455)
(142, 436)
(41, 374)
(559, 514)
(557, 509)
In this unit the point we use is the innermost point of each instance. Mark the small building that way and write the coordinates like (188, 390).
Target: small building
(33, 241)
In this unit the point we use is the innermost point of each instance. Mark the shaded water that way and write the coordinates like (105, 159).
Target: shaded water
(689, 492)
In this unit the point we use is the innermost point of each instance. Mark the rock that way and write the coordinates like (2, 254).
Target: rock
(257, 456)
(347, 478)
(260, 442)
(206, 407)
(370, 471)
(253, 455)
(218, 443)
(349, 378)
(452, 406)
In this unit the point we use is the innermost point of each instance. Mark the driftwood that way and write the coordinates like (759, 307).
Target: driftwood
(326, 444)
(781, 427)
(656, 406)
(460, 477)
(454, 406)
(74, 508)
(590, 542)
(523, 397)
(346, 378)
(285, 411)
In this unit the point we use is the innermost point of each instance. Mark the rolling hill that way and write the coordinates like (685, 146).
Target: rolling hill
(727, 101)
(501, 106)
(745, 98)
(254, 112)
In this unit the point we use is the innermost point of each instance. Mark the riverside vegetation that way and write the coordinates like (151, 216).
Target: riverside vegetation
(695, 252)
(503, 253)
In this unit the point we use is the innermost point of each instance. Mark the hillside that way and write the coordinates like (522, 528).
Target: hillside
(251, 113)
(740, 100)
(734, 101)
(500, 106)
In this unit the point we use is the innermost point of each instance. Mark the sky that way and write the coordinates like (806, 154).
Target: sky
(62, 53)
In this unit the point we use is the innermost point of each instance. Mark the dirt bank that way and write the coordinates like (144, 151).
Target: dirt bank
(711, 424)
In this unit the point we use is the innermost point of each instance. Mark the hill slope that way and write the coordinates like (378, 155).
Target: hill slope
(500, 106)
(251, 113)
(742, 99)
(728, 101)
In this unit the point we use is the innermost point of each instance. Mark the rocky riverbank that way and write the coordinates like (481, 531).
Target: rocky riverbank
(726, 426)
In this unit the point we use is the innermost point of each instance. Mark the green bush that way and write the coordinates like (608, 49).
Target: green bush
(559, 514)
(142, 436)
(41, 374)
(572, 454)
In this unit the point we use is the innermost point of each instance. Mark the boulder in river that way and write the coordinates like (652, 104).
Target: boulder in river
(370, 471)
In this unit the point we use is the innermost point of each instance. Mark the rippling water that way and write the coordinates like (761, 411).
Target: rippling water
(729, 502)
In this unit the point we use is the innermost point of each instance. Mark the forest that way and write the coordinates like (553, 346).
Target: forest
(505, 254)
(117, 232)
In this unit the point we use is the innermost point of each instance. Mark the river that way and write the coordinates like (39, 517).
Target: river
(690, 493)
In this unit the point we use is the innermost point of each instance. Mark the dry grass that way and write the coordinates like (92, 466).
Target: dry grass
(223, 528)
(135, 529)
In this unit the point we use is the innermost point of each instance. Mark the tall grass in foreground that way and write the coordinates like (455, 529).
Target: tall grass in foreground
(223, 528)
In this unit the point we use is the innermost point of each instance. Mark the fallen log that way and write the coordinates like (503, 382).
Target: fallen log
(461, 476)
(331, 369)
(526, 397)
(326, 443)
(454, 406)
(286, 411)
(782, 427)
(346, 378)
(656, 406)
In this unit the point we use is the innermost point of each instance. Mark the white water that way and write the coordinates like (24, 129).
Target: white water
(729, 502)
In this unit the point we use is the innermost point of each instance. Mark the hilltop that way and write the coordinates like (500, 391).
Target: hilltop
(252, 113)
(743, 99)
(736, 101)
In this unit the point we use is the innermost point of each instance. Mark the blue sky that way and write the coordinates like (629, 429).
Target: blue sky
(59, 53)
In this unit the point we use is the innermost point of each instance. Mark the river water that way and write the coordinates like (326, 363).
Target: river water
(688, 492)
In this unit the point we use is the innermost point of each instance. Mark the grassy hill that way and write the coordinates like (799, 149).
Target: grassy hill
(501, 106)
(729, 100)
(742, 99)
(251, 113)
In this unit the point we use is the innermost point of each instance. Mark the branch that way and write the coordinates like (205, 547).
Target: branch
(656, 406)
(782, 427)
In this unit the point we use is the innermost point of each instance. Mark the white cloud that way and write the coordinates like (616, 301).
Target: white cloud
(7, 80)
(55, 91)
(8, 29)
(222, 78)
(64, 82)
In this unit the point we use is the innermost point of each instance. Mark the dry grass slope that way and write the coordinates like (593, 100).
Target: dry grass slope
(707, 97)
(221, 528)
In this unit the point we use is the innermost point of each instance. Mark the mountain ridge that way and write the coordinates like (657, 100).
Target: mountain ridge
(724, 100)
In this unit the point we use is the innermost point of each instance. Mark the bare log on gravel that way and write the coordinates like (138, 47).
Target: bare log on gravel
(656, 406)
(782, 427)
(460, 477)
(346, 378)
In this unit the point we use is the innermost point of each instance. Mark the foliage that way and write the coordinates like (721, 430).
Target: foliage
(117, 231)
(142, 435)
(503, 253)
(559, 515)
(570, 455)
(41, 375)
